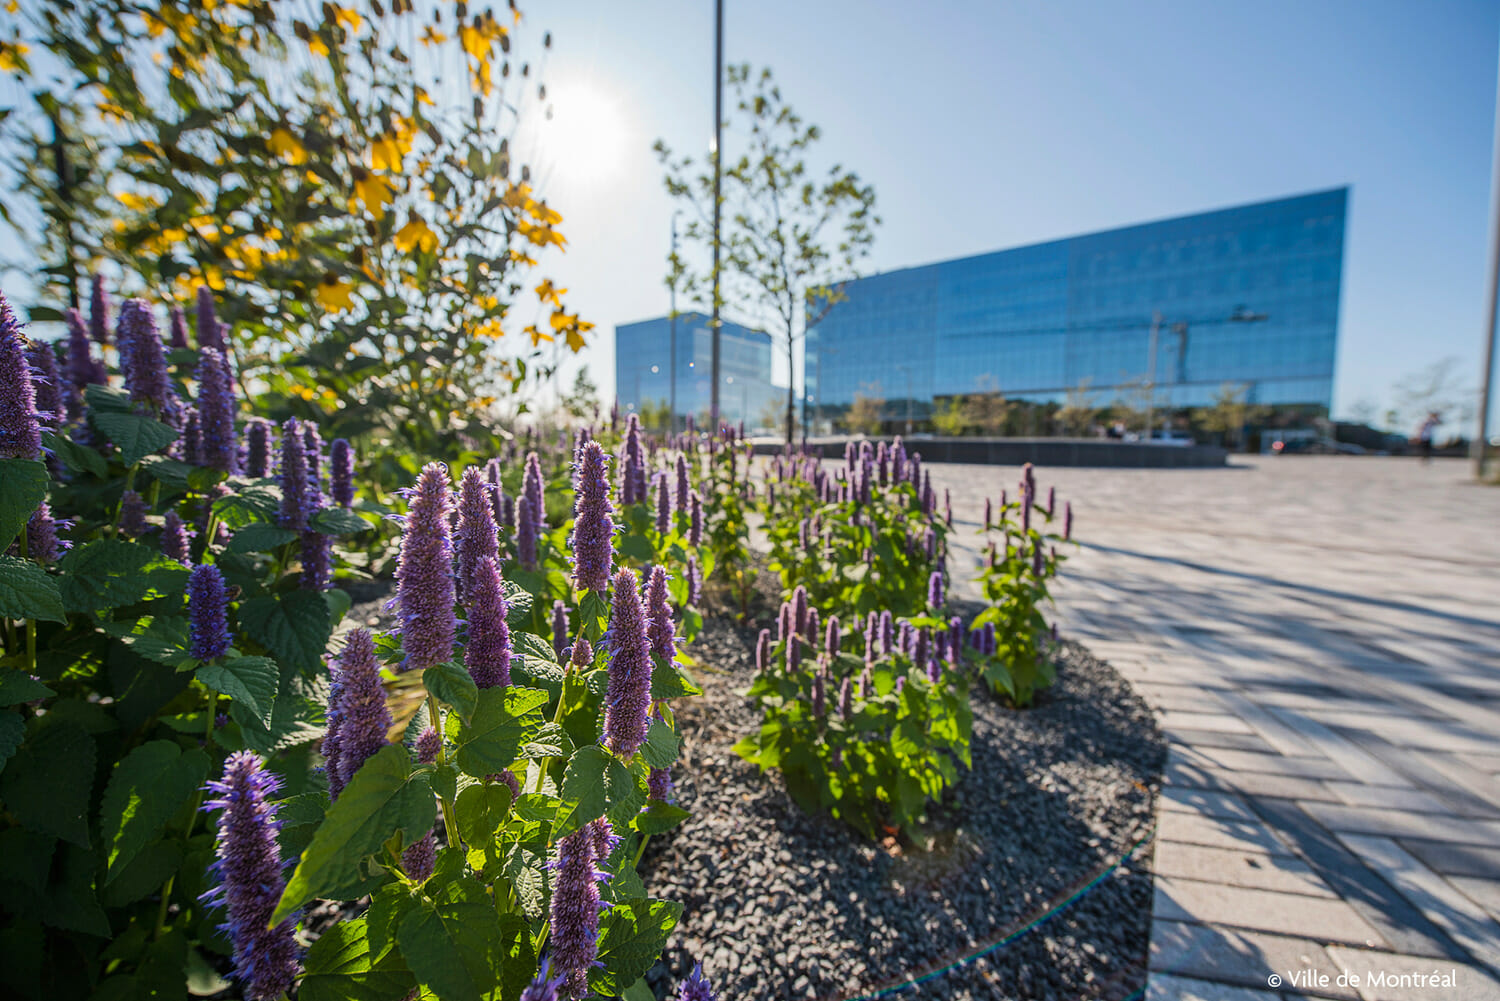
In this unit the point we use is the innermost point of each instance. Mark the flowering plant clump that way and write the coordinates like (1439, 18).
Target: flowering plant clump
(1024, 536)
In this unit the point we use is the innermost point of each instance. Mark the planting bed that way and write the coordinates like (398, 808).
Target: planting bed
(779, 904)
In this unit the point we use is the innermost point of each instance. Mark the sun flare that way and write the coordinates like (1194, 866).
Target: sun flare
(585, 138)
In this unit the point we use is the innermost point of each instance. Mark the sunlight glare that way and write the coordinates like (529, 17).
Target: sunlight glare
(585, 140)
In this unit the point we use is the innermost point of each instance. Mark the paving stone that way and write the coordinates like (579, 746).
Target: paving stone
(1207, 802)
(1165, 987)
(1274, 786)
(1376, 971)
(1437, 773)
(1283, 873)
(1274, 764)
(1276, 733)
(1455, 859)
(1218, 832)
(1173, 720)
(1348, 756)
(1408, 731)
(1236, 741)
(1388, 797)
(1264, 910)
(1484, 892)
(1392, 823)
(1465, 921)
(1240, 957)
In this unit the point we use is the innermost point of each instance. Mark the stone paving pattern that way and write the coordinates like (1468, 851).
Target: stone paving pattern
(1321, 636)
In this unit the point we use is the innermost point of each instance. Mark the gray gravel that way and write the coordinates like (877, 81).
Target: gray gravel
(779, 904)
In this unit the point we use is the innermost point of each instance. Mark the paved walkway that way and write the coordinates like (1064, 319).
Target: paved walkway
(1321, 637)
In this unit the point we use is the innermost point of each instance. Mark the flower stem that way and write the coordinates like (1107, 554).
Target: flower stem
(166, 891)
(449, 823)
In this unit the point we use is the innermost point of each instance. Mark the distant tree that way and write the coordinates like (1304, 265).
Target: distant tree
(790, 241)
(1364, 411)
(865, 413)
(655, 414)
(986, 410)
(1077, 414)
(950, 417)
(1436, 389)
(582, 401)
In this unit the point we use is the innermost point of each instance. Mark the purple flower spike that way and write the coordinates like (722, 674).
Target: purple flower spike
(696, 987)
(694, 579)
(257, 448)
(98, 311)
(582, 653)
(497, 492)
(46, 383)
(341, 474)
(132, 514)
(682, 484)
(660, 628)
(846, 698)
(633, 465)
(42, 543)
(176, 539)
(363, 718)
(1068, 521)
(663, 505)
(179, 330)
(819, 696)
(526, 534)
(192, 437)
(477, 537)
(559, 628)
(831, 637)
(593, 523)
(424, 578)
(695, 520)
(208, 613)
(429, 743)
(659, 785)
(295, 505)
(82, 369)
(250, 877)
(20, 432)
(545, 986)
(487, 655)
(314, 443)
(762, 651)
(210, 331)
(628, 697)
(813, 628)
(887, 631)
(574, 915)
(935, 590)
(784, 623)
(142, 358)
(218, 447)
(420, 857)
(799, 610)
(531, 488)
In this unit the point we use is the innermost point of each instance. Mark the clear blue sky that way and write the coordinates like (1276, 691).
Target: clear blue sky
(988, 125)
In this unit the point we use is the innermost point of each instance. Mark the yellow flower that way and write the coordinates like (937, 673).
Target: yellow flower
(318, 46)
(537, 336)
(374, 191)
(388, 150)
(547, 292)
(491, 329)
(540, 235)
(475, 42)
(517, 196)
(135, 202)
(433, 37)
(348, 18)
(303, 392)
(416, 234)
(544, 215)
(576, 340)
(13, 57)
(286, 146)
(334, 294)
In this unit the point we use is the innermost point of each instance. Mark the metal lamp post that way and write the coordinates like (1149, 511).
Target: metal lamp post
(672, 310)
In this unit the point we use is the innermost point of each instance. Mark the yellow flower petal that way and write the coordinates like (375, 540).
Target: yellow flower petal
(286, 146)
(415, 235)
(334, 294)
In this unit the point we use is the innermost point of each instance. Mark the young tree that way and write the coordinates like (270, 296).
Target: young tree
(866, 411)
(791, 239)
(1077, 414)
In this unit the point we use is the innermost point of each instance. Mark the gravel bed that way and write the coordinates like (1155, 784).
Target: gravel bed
(782, 905)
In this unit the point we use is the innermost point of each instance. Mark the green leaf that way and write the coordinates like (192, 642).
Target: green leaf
(381, 799)
(533, 646)
(135, 435)
(12, 733)
(144, 874)
(23, 485)
(517, 604)
(259, 537)
(551, 741)
(639, 991)
(202, 480)
(169, 471)
(294, 626)
(299, 817)
(296, 718)
(162, 638)
(27, 592)
(669, 682)
(660, 749)
(341, 966)
(106, 574)
(480, 812)
(146, 789)
(503, 719)
(452, 684)
(631, 938)
(595, 783)
(75, 458)
(46, 786)
(248, 504)
(252, 681)
(337, 521)
(18, 686)
(659, 818)
(456, 948)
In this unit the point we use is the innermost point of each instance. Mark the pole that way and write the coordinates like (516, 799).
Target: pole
(713, 404)
(1481, 441)
(672, 367)
(908, 399)
(1151, 375)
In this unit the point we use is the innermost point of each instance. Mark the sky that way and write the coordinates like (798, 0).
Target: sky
(990, 125)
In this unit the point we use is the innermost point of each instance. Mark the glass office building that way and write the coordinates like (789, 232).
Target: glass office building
(1246, 295)
(643, 369)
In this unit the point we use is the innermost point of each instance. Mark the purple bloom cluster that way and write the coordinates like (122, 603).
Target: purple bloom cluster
(42, 543)
(696, 987)
(659, 784)
(593, 522)
(627, 699)
(218, 446)
(142, 358)
(633, 464)
(176, 538)
(762, 651)
(357, 715)
(545, 986)
(46, 383)
(581, 654)
(935, 590)
(660, 629)
(695, 520)
(527, 529)
(178, 336)
(420, 857)
(20, 433)
(250, 879)
(694, 579)
(258, 448)
(531, 489)
(682, 483)
(210, 331)
(487, 655)
(83, 369)
(208, 613)
(98, 311)
(477, 538)
(574, 914)
(559, 628)
(429, 743)
(424, 579)
(663, 505)
(341, 473)
(296, 507)
(132, 521)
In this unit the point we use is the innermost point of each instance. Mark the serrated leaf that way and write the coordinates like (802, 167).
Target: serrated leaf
(533, 646)
(252, 681)
(144, 874)
(299, 817)
(341, 966)
(462, 950)
(259, 537)
(639, 991)
(538, 673)
(337, 521)
(668, 682)
(75, 458)
(551, 741)
(296, 718)
(381, 799)
(162, 638)
(659, 818)
(169, 471)
(23, 485)
(254, 502)
(202, 480)
(106, 573)
(631, 938)
(503, 719)
(451, 683)
(294, 626)
(28, 592)
(594, 781)
(480, 811)
(46, 785)
(135, 435)
(146, 789)
(18, 686)
(517, 604)
(12, 733)
(661, 747)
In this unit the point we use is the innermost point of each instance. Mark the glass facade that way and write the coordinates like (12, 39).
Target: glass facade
(643, 372)
(1036, 322)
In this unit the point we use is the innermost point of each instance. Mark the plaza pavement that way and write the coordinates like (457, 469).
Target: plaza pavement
(1321, 639)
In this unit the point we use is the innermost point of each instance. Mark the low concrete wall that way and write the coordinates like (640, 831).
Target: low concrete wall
(1041, 451)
